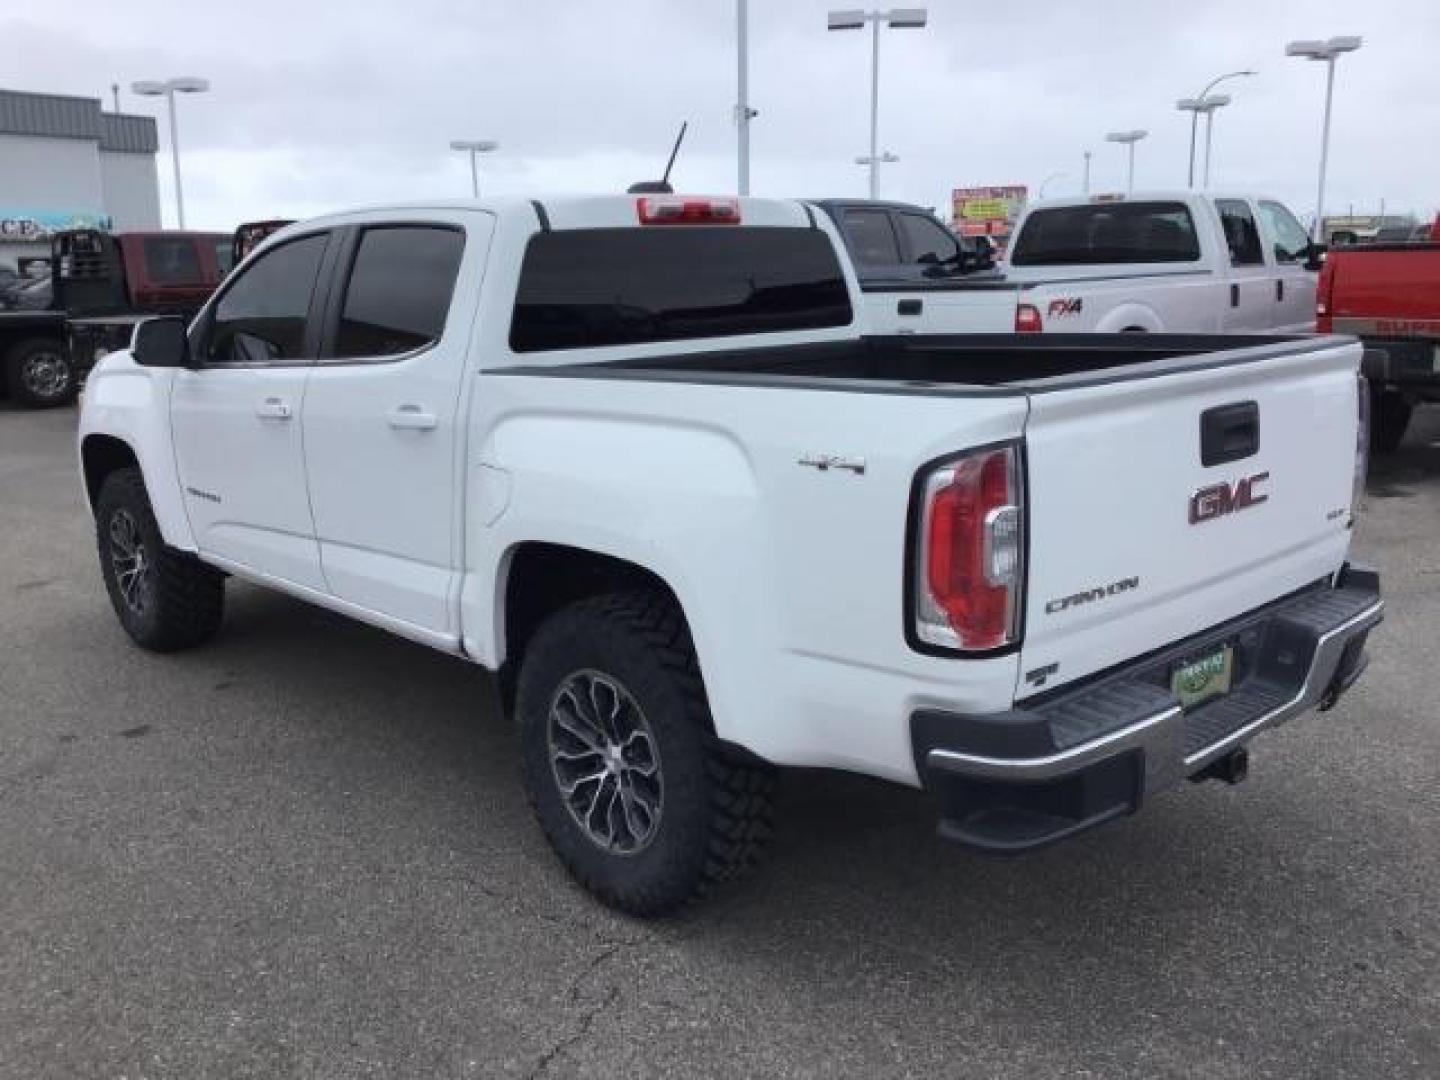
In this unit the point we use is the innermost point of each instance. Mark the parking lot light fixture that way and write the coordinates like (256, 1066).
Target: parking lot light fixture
(168, 88)
(1329, 51)
(896, 19)
(474, 147)
(1196, 107)
(1128, 139)
(1195, 114)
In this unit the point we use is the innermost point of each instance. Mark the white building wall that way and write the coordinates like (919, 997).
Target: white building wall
(131, 190)
(38, 173)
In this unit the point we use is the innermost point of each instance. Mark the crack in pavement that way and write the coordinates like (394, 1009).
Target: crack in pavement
(588, 1016)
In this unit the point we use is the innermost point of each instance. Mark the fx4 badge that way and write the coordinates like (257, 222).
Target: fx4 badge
(1217, 500)
(1066, 305)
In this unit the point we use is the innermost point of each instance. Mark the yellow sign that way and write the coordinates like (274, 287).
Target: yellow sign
(985, 209)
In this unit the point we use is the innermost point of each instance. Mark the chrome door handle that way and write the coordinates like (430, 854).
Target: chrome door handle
(411, 418)
(274, 408)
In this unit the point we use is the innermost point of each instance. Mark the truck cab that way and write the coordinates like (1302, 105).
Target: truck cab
(1172, 262)
(916, 275)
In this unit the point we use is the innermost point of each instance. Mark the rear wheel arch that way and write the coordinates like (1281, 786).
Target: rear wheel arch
(539, 579)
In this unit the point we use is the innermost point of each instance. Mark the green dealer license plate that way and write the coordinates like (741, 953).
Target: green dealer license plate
(1200, 680)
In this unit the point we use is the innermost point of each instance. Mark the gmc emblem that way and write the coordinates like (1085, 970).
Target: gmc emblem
(1217, 500)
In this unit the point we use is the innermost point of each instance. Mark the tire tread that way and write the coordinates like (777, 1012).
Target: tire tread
(189, 596)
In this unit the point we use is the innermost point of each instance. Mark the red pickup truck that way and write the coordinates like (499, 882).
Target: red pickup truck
(1389, 296)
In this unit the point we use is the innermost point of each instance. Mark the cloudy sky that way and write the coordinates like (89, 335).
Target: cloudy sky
(317, 106)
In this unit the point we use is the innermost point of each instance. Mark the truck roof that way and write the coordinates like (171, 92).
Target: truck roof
(1172, 195)
(579, 211)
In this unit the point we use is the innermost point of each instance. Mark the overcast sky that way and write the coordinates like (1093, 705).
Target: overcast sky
(323, 106)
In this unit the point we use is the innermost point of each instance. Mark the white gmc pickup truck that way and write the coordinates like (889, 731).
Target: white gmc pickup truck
(635, 455)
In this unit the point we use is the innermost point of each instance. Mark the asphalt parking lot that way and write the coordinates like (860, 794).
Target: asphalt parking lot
(303, 851)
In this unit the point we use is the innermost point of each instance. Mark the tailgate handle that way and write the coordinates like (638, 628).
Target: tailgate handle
(1229, 432)
(909, 307)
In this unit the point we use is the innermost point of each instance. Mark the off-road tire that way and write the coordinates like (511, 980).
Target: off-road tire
(185, 598)
(21, 382)
(715, 804)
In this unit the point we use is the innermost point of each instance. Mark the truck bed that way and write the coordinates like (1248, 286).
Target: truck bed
(969, 363)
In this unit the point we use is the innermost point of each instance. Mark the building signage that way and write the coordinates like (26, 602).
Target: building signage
(31, 225)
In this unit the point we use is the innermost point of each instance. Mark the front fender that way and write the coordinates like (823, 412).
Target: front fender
(131, 403)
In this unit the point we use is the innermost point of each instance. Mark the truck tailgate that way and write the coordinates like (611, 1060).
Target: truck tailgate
(1135, 542)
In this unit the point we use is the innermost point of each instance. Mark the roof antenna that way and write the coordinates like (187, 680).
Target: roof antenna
(661, 186)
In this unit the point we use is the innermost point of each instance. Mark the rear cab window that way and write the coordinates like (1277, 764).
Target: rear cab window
(587, 288)
(1110, 232)
(172, 260)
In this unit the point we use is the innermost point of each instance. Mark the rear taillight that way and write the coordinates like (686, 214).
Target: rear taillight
(677, 210)
(1362, 444)
(1027, 319)
(969, 562)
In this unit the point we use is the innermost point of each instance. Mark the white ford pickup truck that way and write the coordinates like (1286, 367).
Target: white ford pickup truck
(636, 456)
(1164, 263)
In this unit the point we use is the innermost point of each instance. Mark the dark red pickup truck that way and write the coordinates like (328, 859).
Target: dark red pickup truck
(1389, 296)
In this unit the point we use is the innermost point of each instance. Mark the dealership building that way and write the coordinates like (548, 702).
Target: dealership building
(66, 163)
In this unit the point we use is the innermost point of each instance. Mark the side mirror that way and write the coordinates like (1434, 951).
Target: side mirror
(161, 343)
(1315, 257)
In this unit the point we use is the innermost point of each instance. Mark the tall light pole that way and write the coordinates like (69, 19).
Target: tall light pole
(1327, 51)
(1195, 115)
(1128, 139)
(168, 88)
(1207, 105)
(896, 19)
(743, 112)
(1085, 184)
(474, 147)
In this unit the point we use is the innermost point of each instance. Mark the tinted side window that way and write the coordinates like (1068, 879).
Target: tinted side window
(1292, 242)
(224, 256)
(399, 290)
(871, 238)
(927, 239)
(261, 318)
(1118, 232)
(172, 261)
(1241, 235)
(590, 287)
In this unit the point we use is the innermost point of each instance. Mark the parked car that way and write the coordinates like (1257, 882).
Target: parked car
(638, 457)
(1389, 296)
(100, 285)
